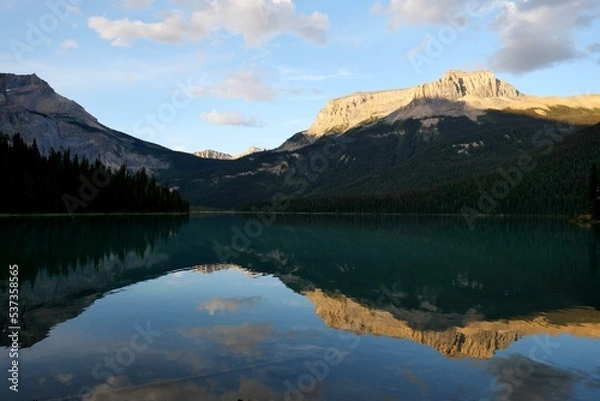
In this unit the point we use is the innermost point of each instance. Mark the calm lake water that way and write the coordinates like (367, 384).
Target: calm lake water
(302, 308)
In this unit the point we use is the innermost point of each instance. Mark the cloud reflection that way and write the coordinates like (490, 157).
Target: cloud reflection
(519, 378)
(231, 305)
(243, 339)
(244, 388)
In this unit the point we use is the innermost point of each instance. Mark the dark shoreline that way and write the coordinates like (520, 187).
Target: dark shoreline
(250, 213)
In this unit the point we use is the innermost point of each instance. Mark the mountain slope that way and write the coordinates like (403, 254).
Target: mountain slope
(396, 144)
(29, 106)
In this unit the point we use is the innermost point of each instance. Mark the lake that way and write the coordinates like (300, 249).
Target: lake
(302, 308)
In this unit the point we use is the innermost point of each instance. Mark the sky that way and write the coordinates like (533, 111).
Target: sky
(229, 74)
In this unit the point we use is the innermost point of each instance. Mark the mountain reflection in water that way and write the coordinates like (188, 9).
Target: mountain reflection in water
(387, 293)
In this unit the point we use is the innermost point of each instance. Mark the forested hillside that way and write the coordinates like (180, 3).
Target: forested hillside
(61, 183)
(553, 179)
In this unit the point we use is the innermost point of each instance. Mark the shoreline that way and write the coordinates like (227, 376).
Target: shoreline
(580, 219)
(8, 215)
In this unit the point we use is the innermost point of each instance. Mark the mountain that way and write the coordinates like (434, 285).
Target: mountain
(215, 154)
(29, 106)
(439, 147)
(424, 149)
(456, 94)
(250, 151)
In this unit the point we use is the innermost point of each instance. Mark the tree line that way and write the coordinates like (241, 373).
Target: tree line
(547, 191)
(64, 183)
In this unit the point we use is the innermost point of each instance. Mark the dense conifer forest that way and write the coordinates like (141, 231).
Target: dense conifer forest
(64, 183)
(563, 182)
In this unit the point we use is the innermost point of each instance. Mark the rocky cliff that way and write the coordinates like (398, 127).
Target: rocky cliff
(457, 93)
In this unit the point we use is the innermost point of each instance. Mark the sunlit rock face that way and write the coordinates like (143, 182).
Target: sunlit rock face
(453, 335)
(457, 93)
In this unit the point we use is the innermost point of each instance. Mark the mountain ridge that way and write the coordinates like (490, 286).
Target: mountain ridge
(471, 94)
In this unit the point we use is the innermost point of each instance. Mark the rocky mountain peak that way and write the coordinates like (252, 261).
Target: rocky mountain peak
(213, 154)
(29, 83)
(357, 109)
(30, 106)
(30, 92)
(456, 84)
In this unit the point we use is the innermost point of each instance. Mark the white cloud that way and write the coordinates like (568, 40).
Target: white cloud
(231, 118)
(137, 4)
(122, 32)
(308, 77)
(257, 21)
(69, 44)
(242, 85)
(538, 34)
(533, 34)
(416, 12)
(593, 48)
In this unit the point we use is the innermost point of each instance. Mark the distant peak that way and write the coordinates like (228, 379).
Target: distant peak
(251, 150)
(215, 154)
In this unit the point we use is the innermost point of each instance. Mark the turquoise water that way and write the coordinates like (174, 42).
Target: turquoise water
(303, 308)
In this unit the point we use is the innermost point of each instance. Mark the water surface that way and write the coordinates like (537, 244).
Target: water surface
(303, 308)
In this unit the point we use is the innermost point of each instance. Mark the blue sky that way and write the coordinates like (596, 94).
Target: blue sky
(228, 74)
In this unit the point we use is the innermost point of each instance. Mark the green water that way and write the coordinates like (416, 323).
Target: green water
(302, 308)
